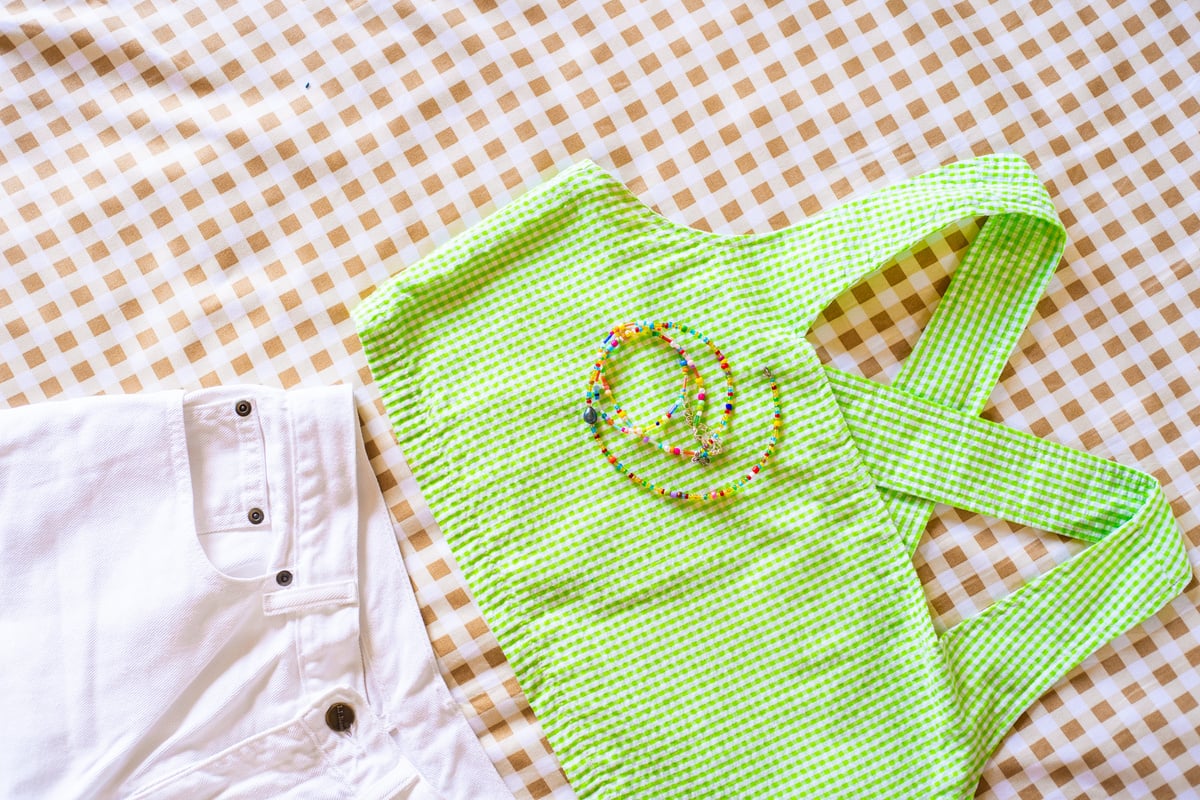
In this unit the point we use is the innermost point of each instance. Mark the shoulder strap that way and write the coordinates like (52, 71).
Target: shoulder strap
(974, 328)
(1005, 657)
(991, 295)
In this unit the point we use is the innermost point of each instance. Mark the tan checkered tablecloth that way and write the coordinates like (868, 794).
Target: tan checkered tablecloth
(196, 193)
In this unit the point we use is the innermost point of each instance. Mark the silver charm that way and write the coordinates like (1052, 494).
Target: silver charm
(703, 435)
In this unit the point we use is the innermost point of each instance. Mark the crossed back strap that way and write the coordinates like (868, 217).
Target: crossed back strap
(922, 442)
(975, 327)
(1004, 658)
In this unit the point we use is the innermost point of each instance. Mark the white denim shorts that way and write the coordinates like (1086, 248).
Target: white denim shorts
(201, 596)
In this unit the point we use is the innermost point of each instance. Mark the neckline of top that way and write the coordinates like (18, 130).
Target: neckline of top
(975, 167)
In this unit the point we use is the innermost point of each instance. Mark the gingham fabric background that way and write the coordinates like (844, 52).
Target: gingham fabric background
(196, 193)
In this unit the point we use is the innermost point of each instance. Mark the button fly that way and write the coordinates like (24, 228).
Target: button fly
(339, 717)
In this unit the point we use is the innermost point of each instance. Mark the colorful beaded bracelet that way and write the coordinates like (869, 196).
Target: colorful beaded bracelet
(709, 442)
(708, 439)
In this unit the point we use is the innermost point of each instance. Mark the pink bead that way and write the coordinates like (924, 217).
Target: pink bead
(674, 451)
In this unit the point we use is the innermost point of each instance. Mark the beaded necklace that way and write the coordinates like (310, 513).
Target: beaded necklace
(707, 438)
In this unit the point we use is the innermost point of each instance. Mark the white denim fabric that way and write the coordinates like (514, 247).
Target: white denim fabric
(148, 648)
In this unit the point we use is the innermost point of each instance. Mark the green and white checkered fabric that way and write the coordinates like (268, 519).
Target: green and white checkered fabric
(777, 643)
